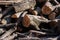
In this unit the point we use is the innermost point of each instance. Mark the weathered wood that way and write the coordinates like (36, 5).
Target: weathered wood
(10, 37)
(7, 33)
(2, 31)
(24, 5)
(7, 2)
(7, 25)
(33, 31)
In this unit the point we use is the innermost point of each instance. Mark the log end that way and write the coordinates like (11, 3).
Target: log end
(26, 21)
(46, 10)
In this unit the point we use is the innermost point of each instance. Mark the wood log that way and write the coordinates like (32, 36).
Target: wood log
(48, 8)
(36, 33)
(7, 25)
(33, 31)
(10, 37)
(33, 12)
(24, 5)
(7, 33)
(8, 2)
(33, 20)
(16, 15)
(19, 21)
(56, 1)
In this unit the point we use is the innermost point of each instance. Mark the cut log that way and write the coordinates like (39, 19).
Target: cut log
(7, 33)
(7, 2)
(48, 8)
(24, 5)
(16, 15)
(10, 37)
(33, 20)
(34, 12)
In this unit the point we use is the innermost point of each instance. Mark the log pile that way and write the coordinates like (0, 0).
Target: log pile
(29, 19)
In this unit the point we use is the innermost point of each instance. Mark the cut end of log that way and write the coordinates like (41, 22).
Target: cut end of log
(26, 21)
(34, 12)
(46, 10)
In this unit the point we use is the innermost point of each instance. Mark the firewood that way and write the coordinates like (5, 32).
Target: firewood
(7, 33)
(7, 25)
(29, 19)
(48, 8)
(33, 20)
(32, 31)
(34, 12)
(24, 5)
(7, 2)
(10, 37)
(16, 15)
